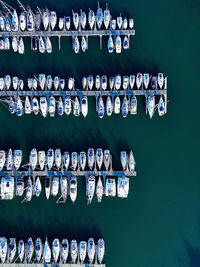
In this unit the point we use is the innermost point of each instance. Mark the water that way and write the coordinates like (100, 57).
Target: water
(159, 224)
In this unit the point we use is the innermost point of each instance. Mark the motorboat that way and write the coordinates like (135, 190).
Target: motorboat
(83, 44)
(76, 107)
(104, 82)
(62, 84)
(33, 158)
(49, 82)
(42, 81)
(22, 21)
(98, 82)
(2, 159)
(29, 189)
(67, 23)
(90, 82)
(109, 106)
(146, 79)
(90, 158)
(91, 18)
(118, 44)
(7, 188)
(154, 82)
(117, 105)
(8, 23)
(11, 105)
(47, 187)
(38, 187)
(70, 83)
(19, 186)
(58, 158)
(110, 190)
(133, 105)
(131, 162)
(29, 250)
(131, 23)
(15, 21)
(47, 252)
(61, 23)
(55, 186)
(84, 106)
(12, 249)
(124, 160)
(83, 19)
(50, 158)
(30, 83)
(125, 83)
(41, 45)
(38, 250)
(111, 82)
(161, 107)
(90, 188)
(43, 106)
(100, 250)
(100, 107)
(82, 251)
(66, 160)
(53, 19)
(118, 81)
(7, 81)
(113, 24)
(76, 20)
(74, 160)
(99, 190)
(126, 42)
(63, 187)
(84, 82)
(110, 44)
(2, 84)
(56, 249)
(64, 251)
(125, 107)
(19, 107)
(73, 188)
(73, 250)
(91, 250)
(35, 105)
(9, 160)
(48, 45)
(6, 44)
(3, 249)
(82, 160)
(125, 24)
(27, 106)
(139, 79)
(2, 22)
(60, 106)
(21, 46)
(14, 44)
(34, 84)
(132, 81)
(38, 20)
(45, 19)
(21, 250)
(151, 105)
(56, 82)
(99, 17)
(160, 80)
(106, 17)
(119, 21)
(106, 159)
(99, 157)
(52, 106)
(17, 159)
(30, 21)
(15, 82)
(68, 105)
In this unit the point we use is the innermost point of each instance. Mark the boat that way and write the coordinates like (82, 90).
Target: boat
(125, 24)
(99, 157)
(100, 107)
(133, 105)
(90, 158)
(34, 84)
(56, 249)
(146, 80)
(35, 105)
(14, 44)
(64, 251)
(21, 250)
(104, 82)
(100, 250)
(160, 80)
(68, 105)
(76, 107)
(118, 81)
(60, 106)
(41, 45)
(58, 158)
(74, 160)
(91, 18)
(113, 24)
(75, 44)
(76, 20)
(55, 186)
(52, 106)
(63, 187)
(48, 45)
(17, 159)
(82, 160)
(110, 190)
(124, 160)
(2, 84)
(56, 82)
(118, 44)
(38, 187)
(29, 189)
(22, 21)
(99, 190)
(131, 162)
(15, 82)
(132, 81)
(84, 82)
(50, 158)
(99, 17)
(61, 23)
(106, 17)
(109, 106)
(151, 105)
(46, 252)
(29, 250)
(154, 82)
(2, 159)
(119, 21)
(139, 79)
(73, 250)
(2, 22)
(19, 107)
(7, 81)
(53, 19)
(126, 42)
(73, 188)
(82, 251)
(43, 106)
(161, 107)
(98, 82)
(47, 187)
(45, 19)
(117, 105)
(19, 186)
(8, 23)
(12, 249)
(27, 106)
(42, 81)
(7, 188)
(84, 106)
(11, 105)
(91, 250)
(3, 249)
(38, 20)
(106, 159)
(90, 82)
(21, 84)
(15, 21)
(70, 83)
(67, 23)
(30, 21)
(30, 83)
(62, 83)
(90, 188)
(83, 19)
(49, 82)
(83, 44)
(111, 82)
(9, 160)
(110, 44)
(38, 250)
(125, 107)
(131, 23)
(21, 46)
(66, 160)
(33, 159)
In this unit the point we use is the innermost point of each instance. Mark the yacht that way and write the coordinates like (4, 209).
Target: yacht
(47, 252)
(111, 82)
(47, 187)
(21, 46)
(132, 81)
(126, 42)
(90, 158)
(106, 17)
(99, 157)
(58, 158)
(49, 82)
(35, 105)
(131, 162)
(55, 186)
(64, 251)
(99, 17)
(125, 107)
(53, 19)
(109, 106)
(61, 23)
(151, 105)
(118, 81)
(38, 250)
(45, 19)
(125, 24)
(70, 83)
(117, 105)
(41, 45)
(38, 187)
(99, 190)
(160, 80)
(19, 186)
(22, 21)
(90, 188)
(100, 107)
(76, 20)
(21, 250)
(131, 23)
(7, 188)
(17, 159)
(12, 249)
(118, 44)
(154, 83)
(3, 249)
(124, 160)
(91, 250)
(19, 107)
(82, 160)
(73, 188)
(2, 159)
(82, 251)
(63, 187)
(91, 18)
(27, 106)
(9, 160)
(50, 158)
(110, 190)
(68, 105)
(139, 79)
(29, 189)
(73, 250)
(52, 106)
(33, 159)
(104, 82)
(14, 44)
(119, 21)
(67, 23)
(43, 106)
(83, 19)
(84, 106)
(74, 160)
(60, 106)
(48, 45)
(30, 21)
(84, 82)
(98, 82)
(56, 82)
(76, 107)
(90, 82)
(29, 250)
(100, 250)
(7, 81)
(62, 84)
(66, 160)
(56, 249)
(133, 105)
(15, 82)
(161, 107)
(107, 159)
(83, 44)
(125, 83)
(42, 80)
(113, 24)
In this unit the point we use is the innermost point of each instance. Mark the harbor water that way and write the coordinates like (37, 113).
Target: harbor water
(159, 224)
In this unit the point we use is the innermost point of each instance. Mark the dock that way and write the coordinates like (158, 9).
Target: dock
(52, 265)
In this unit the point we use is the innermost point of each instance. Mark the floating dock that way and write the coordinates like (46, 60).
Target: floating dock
(52, 265)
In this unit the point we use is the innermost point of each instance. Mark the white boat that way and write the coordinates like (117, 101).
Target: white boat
(97, 82)
(90, 82)
(84, 82)
(125, 24)
(15, 82)
(160, 80)
(17, 159)
(19, 107)
(90, 188)
(52, 106)
(91, 18)
(62, 83)
(74, 160)
(99, 190)
(82, 251)
(132, 81)
(34, 84)
(60, 106)
(67, 23)
(118, 81)
(61, 23)
(131, 161)
(2, 84)
(48, 45)
(133, 105)
(38, 20)
(43, 106)
(3, 249)
(14, 44)
(76, 107)
(91, 250)
(76, 20)
(21, 46)
(53, 19)
(2, 159)
(8, 23)
(154, 82)
(113, 24)
(33, 158)
(75, 44)
(7, 81)
(12, 249)
(126, 42)
(111, 82)
(49, 82)
(124, 160)
(35, 105)
(106, 159)
(70, 83)
(47, 252)
(101, 107)
(56, 249)
(56, 82)
(99, 157)
(117, 105)
(64, 251)
(41, 159)
(63, 187)
(146, 79)
(118, 44)
(109, 106)
(66, 160)
(41, 45)
(110, 44)
(38, 250)
(47, 187)
(139, 79)
(45, 19)
(68, 105)
(100, 250)
(42, 81)
(21, 84)
(83, 19)
(106, 17)
(84, 106)
(29, 189)
(30, 21)
(38, 187)
(110, 190)
(29, 250)
(11, 105)
(22, 21)
(7, 188)
(2, 23)
(83, 44)
(99, 17)
(30, 83)
(104, 82)
(131, 23)
(50, 158)
(15, 21)
(151, 105)
(125, 107)
(73, 250)
(21, 250)
(119, 22)
(9, 160)
(82, 160)
(90, 158)
(161, 107)
(73, 189)
(19, 186)
(55, 186)
(58, 158)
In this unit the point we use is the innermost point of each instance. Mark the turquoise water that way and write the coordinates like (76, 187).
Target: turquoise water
(159, 224)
